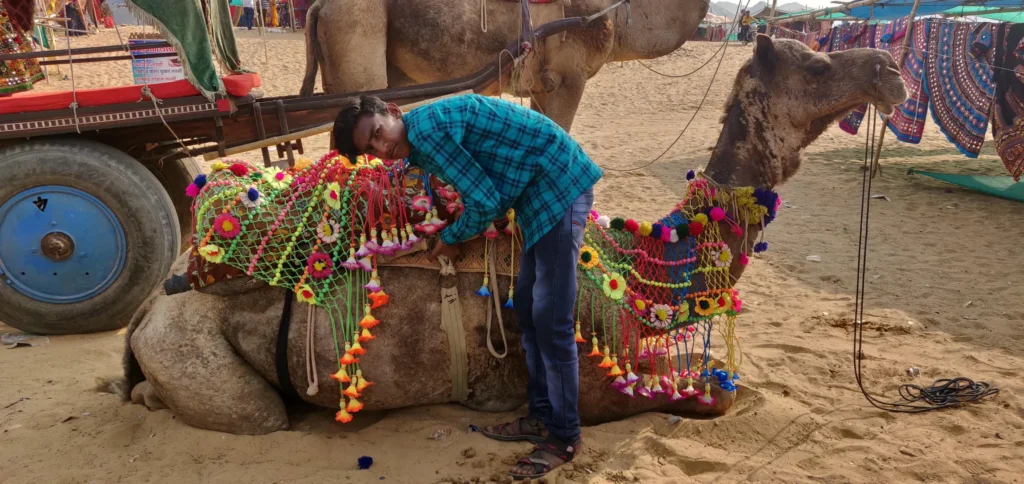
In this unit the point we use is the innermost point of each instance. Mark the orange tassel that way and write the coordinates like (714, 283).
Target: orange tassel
(341, 376)
(615, 371)
(368, 321)
(343, 416)
(351, 391)
(607, 363)
(579, 336)
(357, 349)
(348, 359)
(366, 336)
(595, 351)
(379, 299)
(354, 405)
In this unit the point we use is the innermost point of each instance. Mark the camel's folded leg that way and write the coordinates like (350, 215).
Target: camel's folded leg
(196, 372)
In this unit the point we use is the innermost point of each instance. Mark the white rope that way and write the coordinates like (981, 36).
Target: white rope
(312, 380)
(483, 15)
(497, 309)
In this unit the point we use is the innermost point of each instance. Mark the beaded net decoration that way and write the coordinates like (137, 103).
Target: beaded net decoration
(321, 229)
(661, 290)
(318, 229)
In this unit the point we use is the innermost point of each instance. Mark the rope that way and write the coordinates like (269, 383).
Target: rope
(699, 106)
(312, 379)
(451, 323)
(74, 90)
(671, 76)
(483, 15)
(497, 310)
(942, 393)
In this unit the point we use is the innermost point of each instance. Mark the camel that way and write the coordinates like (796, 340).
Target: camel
(376, 44)
(210, 357)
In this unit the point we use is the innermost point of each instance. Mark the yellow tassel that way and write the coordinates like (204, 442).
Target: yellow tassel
(368, 321)
(351, 391)
(342, 375)
(343, 416)
(615, 371)
(354, 405)
(579, 336)
(357, 349)
(362, 381)
(607, 362)
(595, 351)
(366, 336)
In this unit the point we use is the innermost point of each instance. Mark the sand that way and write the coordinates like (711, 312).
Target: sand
(944, 294)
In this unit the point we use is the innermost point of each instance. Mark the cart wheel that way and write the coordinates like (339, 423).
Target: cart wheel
(175, 176)
(86, 233)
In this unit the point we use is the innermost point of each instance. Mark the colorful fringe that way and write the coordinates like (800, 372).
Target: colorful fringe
(660, 290)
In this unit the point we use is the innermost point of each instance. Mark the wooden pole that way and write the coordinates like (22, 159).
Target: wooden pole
(903, 57)
(771, 18)
(263, 31)
(291, 13)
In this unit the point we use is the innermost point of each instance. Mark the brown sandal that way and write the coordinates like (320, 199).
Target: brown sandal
(546, 457)
(520, 429)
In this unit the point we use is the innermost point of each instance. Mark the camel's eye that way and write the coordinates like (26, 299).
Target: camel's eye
(818, 66)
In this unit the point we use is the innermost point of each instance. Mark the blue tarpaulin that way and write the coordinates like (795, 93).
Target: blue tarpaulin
(894, 9)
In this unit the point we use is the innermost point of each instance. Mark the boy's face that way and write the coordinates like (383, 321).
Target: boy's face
(382, 135)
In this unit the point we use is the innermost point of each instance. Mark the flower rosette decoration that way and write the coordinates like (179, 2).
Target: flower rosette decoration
(328, 231)
(589, 258)
(276, 179)
(660, 316)
(614, 285)
(721, 256)
(320, 266)
(227, 226)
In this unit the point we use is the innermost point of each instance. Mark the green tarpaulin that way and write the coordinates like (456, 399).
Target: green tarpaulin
(999, 186)
(183, 24)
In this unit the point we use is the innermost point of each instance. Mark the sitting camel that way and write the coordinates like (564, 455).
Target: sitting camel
(376, 44)
(212, 356)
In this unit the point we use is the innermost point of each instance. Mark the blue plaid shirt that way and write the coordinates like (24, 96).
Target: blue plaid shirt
(499, 155)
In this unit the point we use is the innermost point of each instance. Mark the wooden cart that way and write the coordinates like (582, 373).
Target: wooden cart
(92, 182)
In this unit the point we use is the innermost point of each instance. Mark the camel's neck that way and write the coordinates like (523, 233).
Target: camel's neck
(751, 151)
(657, 27)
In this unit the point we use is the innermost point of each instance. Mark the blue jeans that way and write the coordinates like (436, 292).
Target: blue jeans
(248, 14)
(544, 299)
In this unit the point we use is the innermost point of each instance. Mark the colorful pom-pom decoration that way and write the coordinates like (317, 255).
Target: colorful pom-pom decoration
(690, 175)
(716, 214)
(631, 226)
(760, 247)
(364, 462)
(239, 169)
(617, 223)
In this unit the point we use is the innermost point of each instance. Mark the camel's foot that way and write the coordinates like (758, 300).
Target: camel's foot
(145, 394)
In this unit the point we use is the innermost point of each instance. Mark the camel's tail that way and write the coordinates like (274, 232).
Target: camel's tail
(313, 53)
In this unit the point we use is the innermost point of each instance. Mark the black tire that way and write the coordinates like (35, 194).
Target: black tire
(136, 199)
(175, 176)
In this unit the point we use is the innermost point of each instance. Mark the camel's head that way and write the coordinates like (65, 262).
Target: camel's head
(806, 87)
(786, 95)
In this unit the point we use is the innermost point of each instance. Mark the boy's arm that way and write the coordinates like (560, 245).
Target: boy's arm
(454, 165)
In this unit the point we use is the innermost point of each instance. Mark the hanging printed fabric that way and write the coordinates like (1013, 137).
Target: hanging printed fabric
(1008, 110)
(907, 122)
(960, 82)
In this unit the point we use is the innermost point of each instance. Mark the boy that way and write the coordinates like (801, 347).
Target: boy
(499, 155)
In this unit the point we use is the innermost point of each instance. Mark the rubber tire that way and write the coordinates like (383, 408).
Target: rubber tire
(132, 193)
(175, 176)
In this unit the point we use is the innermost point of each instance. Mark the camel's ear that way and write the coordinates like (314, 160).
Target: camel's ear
(765, 52)
(394, 110)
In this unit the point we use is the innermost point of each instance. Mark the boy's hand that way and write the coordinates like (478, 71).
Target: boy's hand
(440, 248)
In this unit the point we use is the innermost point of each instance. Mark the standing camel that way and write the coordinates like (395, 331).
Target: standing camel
(377, 44)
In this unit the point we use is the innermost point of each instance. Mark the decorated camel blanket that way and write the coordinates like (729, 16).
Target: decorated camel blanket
(653, 291)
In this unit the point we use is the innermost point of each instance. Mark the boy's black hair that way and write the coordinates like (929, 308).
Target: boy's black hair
(351, 110)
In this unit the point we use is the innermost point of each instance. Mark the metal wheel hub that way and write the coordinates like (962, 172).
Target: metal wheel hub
(59, 244)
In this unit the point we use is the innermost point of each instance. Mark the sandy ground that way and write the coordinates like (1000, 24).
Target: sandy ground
(944, 294)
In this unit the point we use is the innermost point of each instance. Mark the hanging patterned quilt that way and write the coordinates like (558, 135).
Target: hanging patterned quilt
(655, 289)
(960, 82)
(1008, 110)
(907, 122)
